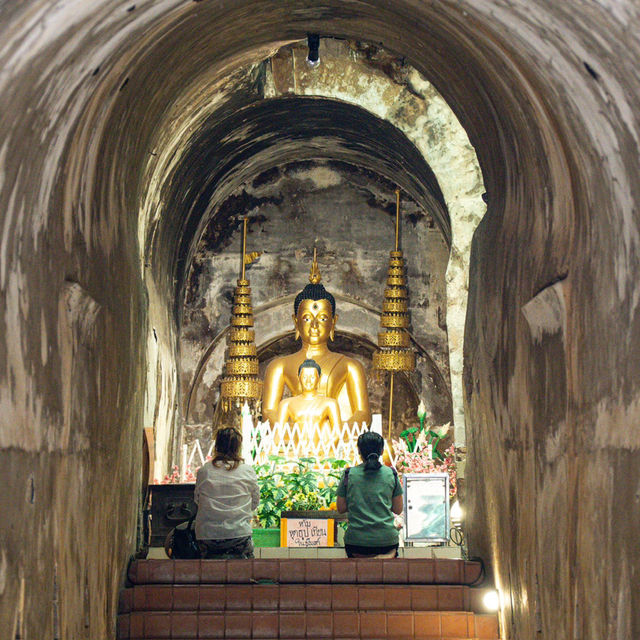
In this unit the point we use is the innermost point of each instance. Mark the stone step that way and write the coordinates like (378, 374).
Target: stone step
(435, 551)
(299, 571)
(273, 597)
(365, 625)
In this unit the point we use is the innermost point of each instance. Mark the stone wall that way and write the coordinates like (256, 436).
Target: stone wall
(124, 125)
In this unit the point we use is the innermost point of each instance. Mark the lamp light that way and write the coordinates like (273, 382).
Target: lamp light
(491, 600)
(313, 42)
(456, 514)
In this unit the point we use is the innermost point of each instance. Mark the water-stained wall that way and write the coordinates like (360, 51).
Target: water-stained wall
(110, 118)
(348, 214)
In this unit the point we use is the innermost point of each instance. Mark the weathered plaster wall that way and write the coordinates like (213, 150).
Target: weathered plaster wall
(104, 111)
(551, 372)
(385, 85)
(349, 215)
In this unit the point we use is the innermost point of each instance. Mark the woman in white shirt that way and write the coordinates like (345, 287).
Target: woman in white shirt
(226, 493)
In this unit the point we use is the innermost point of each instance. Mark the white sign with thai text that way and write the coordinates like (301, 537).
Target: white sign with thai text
(306, 532)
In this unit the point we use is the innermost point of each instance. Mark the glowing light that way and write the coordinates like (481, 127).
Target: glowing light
(491, 600)
(456, 513)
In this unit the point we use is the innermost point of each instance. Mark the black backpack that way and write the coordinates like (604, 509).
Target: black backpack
(183, 543)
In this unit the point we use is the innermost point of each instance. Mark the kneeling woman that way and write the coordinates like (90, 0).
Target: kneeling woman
(371, 493)
(226, 493)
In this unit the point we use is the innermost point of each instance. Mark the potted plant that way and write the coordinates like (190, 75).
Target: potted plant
(287, 485)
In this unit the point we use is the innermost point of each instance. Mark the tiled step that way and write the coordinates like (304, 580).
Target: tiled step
(272, 597)
(365, 625)
(299, 571)
(323, 553)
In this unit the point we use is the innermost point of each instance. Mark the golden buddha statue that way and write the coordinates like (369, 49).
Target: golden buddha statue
(309, 409)
(315, 319)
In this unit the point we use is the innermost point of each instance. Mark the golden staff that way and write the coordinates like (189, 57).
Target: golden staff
(394, 350)
(244, 245)
(393, 373)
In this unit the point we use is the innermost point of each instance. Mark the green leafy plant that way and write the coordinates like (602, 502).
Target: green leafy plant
(287, 485)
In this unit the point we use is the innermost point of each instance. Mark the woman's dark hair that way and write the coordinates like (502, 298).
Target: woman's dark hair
(370, 446)
(227, 448)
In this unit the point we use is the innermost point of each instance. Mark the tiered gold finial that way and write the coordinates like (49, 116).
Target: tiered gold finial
(395, 352)
(241, 381)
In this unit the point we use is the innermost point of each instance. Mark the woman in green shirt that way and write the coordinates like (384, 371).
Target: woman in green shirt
(371, 493)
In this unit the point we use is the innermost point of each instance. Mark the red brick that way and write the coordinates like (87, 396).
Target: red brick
(318, 597)
(317, 571)
(159, 597)
(187, 572)
(472, 571)
(265, 625)
(451, 598)
(210, 625)
(373, 625)
(346, 624)
(426, 625)
(449, 571)
(157, 625)
(486, 626)
(184, 625)
(369, 571)
(266, 570)
(213, 571)
(292, 571)
(237, 625)
(239, 571)
(319, 625)
(400, 625)
(292, 625)
(292, 598)
(371, 598)
(137, 572)
(395, 571)
(186, 598)
(397, 598)
(343, 572)
(140, 597)
(344, 597)
(421, 571)
(212, 597)
(125, 600)
(238, 597)
(136, 624)
(454, 625)
(424, 598)
(160, 571)
(265, 597)
(123, 627)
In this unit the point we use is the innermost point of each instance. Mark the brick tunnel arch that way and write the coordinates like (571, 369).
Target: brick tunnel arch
(545, 94)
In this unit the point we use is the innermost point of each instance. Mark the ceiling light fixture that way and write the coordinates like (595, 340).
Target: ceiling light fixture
(313, 42)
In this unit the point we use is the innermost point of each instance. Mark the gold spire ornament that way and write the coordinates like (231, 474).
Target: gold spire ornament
(241, 382)
(314, 274)
(394, 346)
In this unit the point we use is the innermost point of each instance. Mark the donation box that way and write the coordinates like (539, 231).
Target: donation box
(426, 507)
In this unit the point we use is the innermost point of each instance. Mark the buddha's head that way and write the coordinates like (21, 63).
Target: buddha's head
(314, 314)
(309, 373)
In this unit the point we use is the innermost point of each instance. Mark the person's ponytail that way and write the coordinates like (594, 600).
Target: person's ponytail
(372, 462)
(370, 446)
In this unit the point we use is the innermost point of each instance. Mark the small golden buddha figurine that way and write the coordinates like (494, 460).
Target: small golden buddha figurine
(309, 409)
(315, 319)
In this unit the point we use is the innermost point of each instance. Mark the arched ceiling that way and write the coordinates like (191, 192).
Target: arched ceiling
(547, 93)
(238, 146)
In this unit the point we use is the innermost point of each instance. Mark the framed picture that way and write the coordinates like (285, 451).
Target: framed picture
(426, 507)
